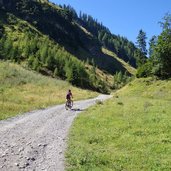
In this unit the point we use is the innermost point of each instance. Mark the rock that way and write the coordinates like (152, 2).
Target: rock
(21, 149)
(3, 155)
(44, 145)
(27, 164)
(28, 143)
(31, 158)
(23, 166)
(16, 164)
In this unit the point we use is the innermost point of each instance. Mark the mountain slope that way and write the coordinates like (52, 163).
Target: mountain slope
(50, 38)
(129, 69)
(22, 42)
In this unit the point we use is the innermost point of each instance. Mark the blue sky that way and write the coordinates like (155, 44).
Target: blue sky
(124, 17)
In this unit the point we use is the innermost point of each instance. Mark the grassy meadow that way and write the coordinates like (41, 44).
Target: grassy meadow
(130, 132)
(22, 90)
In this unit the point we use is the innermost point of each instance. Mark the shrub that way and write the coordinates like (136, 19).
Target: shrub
(144, 70)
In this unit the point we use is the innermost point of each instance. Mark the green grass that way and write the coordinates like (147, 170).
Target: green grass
(130, 132)
(22, 90)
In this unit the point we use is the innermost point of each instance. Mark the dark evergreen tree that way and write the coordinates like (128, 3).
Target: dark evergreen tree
(141, 42)
(152, 44)
(140, 58)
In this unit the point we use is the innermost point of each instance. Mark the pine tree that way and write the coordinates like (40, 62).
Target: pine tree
(141, 42)
(152, 44)
(105, 39)
(140, 58)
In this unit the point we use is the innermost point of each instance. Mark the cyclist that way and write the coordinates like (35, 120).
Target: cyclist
(68, 97)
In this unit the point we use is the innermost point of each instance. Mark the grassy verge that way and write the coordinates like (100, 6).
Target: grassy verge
(130, 132)
(22, 90)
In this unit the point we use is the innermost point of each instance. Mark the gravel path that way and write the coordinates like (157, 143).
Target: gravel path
(36, 141)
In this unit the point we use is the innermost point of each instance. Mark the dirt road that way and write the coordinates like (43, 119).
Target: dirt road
(36, 141)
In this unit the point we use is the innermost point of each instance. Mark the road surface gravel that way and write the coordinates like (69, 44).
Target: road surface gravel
(36, 141)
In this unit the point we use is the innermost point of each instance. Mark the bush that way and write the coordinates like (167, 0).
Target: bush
(144, 70)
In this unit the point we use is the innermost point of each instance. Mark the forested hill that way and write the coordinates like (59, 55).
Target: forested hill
(121, 46)
(52, 38)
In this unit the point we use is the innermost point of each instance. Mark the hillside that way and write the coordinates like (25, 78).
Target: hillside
(28, 45)
(131, 70)
(129, 132)
(65, 29)
(22, 90)
(47, 36)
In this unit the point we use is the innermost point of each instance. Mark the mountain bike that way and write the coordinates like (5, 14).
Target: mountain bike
(68, 104)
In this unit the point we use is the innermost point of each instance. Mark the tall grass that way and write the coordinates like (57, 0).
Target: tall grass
(130, 132)
(22, 90)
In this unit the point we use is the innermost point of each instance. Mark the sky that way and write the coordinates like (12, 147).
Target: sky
(125, 17)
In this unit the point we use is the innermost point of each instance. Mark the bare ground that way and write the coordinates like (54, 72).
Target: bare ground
(36, 141)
